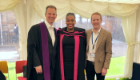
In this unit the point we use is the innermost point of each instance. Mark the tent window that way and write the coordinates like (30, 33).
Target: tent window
(9, 37)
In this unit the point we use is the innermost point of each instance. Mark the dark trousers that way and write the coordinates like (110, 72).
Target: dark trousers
(91, 72)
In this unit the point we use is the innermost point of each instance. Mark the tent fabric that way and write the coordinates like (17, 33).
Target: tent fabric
(8, 4)
(30, 12)
(121, 1)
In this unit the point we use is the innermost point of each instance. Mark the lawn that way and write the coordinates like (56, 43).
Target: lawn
(116, 68)
(12, 71)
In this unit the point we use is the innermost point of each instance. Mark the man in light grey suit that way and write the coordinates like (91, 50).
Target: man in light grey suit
(98, 50)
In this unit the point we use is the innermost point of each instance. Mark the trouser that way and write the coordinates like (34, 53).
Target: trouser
(91, 72)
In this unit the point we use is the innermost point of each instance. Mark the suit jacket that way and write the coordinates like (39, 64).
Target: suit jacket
(103, 50)
(34, 50)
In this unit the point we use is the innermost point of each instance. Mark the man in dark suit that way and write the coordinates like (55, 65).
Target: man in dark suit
(41, 48)
(98, 50)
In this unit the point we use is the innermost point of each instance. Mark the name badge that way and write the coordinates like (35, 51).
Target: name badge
(92, 54)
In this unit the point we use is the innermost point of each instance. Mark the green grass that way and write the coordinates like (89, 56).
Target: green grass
(119, 79)
(116, 68)
(12, 71)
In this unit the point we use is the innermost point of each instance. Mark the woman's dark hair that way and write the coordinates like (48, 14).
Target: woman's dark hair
(72, 14)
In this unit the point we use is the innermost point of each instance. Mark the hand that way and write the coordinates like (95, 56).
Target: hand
(38, 69)
(104, 71)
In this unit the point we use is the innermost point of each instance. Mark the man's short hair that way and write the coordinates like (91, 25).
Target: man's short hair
(96, 13)
(50, 6)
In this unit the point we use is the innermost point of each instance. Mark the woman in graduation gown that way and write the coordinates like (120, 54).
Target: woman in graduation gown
(71, 51)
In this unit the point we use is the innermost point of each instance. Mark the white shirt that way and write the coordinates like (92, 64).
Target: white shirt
(91, 50)
(51, 31)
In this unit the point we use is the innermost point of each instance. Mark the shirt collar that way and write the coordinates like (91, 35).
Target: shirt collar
(48, 25)
(97, 31)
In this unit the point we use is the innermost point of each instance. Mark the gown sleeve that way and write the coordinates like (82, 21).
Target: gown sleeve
(32, 57)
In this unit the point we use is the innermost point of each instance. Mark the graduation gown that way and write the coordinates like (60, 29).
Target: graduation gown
(35, 53)
(71, 50)
(2, 77)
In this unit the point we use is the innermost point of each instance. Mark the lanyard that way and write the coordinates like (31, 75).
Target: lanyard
(95, 39)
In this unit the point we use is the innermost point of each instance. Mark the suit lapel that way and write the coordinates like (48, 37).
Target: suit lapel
(101, 35)
(49, 37)
(55, 38)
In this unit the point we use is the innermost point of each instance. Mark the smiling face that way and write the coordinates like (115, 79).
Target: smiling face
(96, 21)
(70, 22)
(50, 15)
